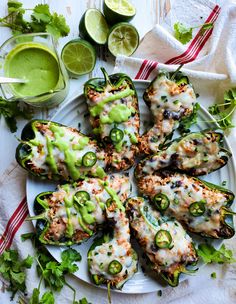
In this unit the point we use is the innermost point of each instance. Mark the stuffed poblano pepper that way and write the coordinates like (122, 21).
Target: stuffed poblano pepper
(73, 213)
(53, 151)
(164, 241)
(171, 98)
(114, 116)
(195, 154)
(111, 259)
(202, 207)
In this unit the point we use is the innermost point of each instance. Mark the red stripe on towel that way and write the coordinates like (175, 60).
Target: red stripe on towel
(198, 42)
(13, 225)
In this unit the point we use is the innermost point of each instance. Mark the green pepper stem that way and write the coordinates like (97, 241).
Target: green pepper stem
(189, 271)
(109, 292)
(36, 217)
(106, 76)
(175, 73)
(226, 211)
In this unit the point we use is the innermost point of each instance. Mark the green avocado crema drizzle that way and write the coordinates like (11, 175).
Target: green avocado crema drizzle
(84, 211)
(69, 226)
(96, 110)
(119, 113)
(71, 161)
(113, 195)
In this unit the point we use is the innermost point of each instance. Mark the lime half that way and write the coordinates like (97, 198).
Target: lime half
(118, 11)
(93, 26)
(123, 39)
(79, 57)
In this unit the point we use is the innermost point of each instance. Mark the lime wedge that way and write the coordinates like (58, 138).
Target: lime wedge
(93, 26)
(118, 11)
(79, 57)
(123, 39)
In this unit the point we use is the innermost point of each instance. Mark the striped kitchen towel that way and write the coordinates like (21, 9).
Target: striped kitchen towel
(209, 58)
(210, 62)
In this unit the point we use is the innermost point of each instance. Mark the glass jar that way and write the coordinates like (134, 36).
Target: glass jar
(34, 58)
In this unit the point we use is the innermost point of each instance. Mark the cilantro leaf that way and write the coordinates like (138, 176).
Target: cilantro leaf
(13, 269)
(182, 33)
(71, 255)
(57, 26)
(206, 26)
(10, 110)
(185, 34)
(41, 20)
(224, 112)
(188, 121)
(47, 298)
(41, 13)
(211, 255)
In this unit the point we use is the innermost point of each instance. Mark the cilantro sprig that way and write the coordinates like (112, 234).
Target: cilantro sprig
(224, 112)
(41, 20)
(187, 121)
(211, 255)
(12, 269)
(184, 34)
(10, 110)
(52, 273)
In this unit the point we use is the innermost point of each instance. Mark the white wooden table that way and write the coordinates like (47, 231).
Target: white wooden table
(149, 12)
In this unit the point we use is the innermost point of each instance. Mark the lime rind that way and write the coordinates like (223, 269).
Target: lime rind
(93, 27)
(123, 39)
(117, 11)
(79, 57)
(122, 7)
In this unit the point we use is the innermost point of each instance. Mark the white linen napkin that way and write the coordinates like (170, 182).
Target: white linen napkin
(211, 70)
(209, 59)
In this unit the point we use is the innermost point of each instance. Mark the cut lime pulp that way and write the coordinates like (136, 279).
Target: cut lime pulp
(118, 11)
(123, 39)
(93, 26)
(79, 57)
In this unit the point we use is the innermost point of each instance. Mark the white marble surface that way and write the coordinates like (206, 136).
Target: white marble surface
(149, 12)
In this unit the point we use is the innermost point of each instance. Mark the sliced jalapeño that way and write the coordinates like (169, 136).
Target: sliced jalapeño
(114, 267)
(89, 159)
(163, 239)
(161, 201)
(116, 135)
(197, 208)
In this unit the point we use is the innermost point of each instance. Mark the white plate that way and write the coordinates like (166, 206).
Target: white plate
(75, 112)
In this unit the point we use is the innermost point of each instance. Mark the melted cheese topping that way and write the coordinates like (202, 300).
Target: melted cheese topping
(118, 248)
(197, 151)
(146, 222)
(70, 139)
(182, 191)
(62, 200)
(130, 126)
(169, 103)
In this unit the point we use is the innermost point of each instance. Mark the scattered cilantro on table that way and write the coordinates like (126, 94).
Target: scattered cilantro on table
(51, 272)
(224, 111)
(41, 20)
(10, 110)
(12, 269)
(184, 34)
(211, 255)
